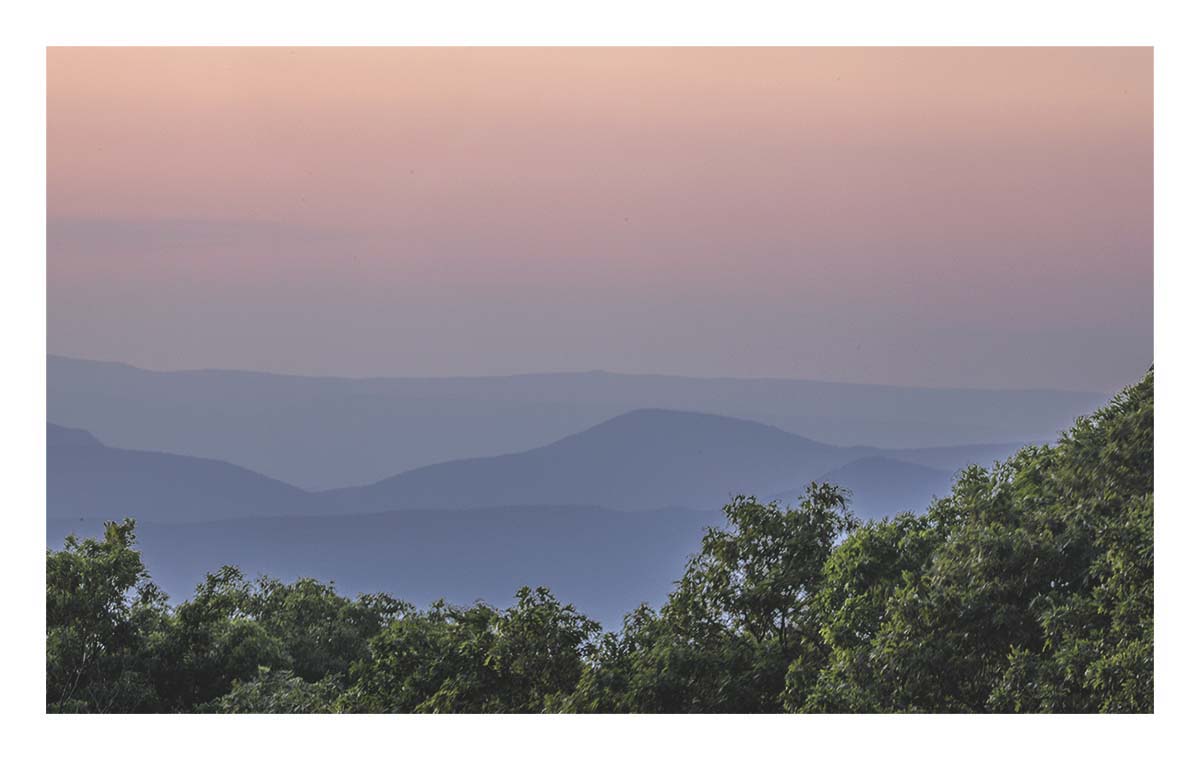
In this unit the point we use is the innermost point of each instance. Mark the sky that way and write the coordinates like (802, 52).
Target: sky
(950, 217)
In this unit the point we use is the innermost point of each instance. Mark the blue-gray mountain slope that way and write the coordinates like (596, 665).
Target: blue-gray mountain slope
(321, 433)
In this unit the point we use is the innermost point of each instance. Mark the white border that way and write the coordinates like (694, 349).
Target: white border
(27, 30)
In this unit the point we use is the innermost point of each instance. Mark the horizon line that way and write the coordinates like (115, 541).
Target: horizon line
(594, 372)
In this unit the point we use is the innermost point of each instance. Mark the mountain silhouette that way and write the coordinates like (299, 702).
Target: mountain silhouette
(881, 486)
(610, 513)
(326, 432)
(955, 458)
(86, 479)
(645, 459)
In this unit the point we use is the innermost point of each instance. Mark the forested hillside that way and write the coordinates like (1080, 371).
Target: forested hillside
(1028, 589)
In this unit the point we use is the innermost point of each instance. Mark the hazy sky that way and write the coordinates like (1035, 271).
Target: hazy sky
(948, 217)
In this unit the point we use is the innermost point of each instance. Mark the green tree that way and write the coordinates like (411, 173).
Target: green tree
(322, 632)
(211, 641)
(739, 616)
(278, 691)
(1030, 588)
(474, 659)
(99, 600)
(860, 577)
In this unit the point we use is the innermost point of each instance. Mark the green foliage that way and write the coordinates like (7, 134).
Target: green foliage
(738, 617)
(113, 644)
(861, 576)
(322, 632)
(1030, 588)
(211, 641)
(475, 659)
(98, 602)
(276, 691)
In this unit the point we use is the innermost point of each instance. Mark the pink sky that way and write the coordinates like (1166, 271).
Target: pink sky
(916, 216)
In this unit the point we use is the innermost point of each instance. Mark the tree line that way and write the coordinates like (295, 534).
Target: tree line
(1029, 588)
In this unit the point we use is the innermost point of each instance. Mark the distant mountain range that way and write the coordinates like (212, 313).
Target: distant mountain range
(581, 490)
(881, 486)
(324, 433)
(642, 460)
(86, 479)
(451, 531)
(646, 459)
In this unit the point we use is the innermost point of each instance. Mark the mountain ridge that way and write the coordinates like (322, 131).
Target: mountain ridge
(639, 460)
(322, 434)
(88, 479)
(643, 459)
(561, 373)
